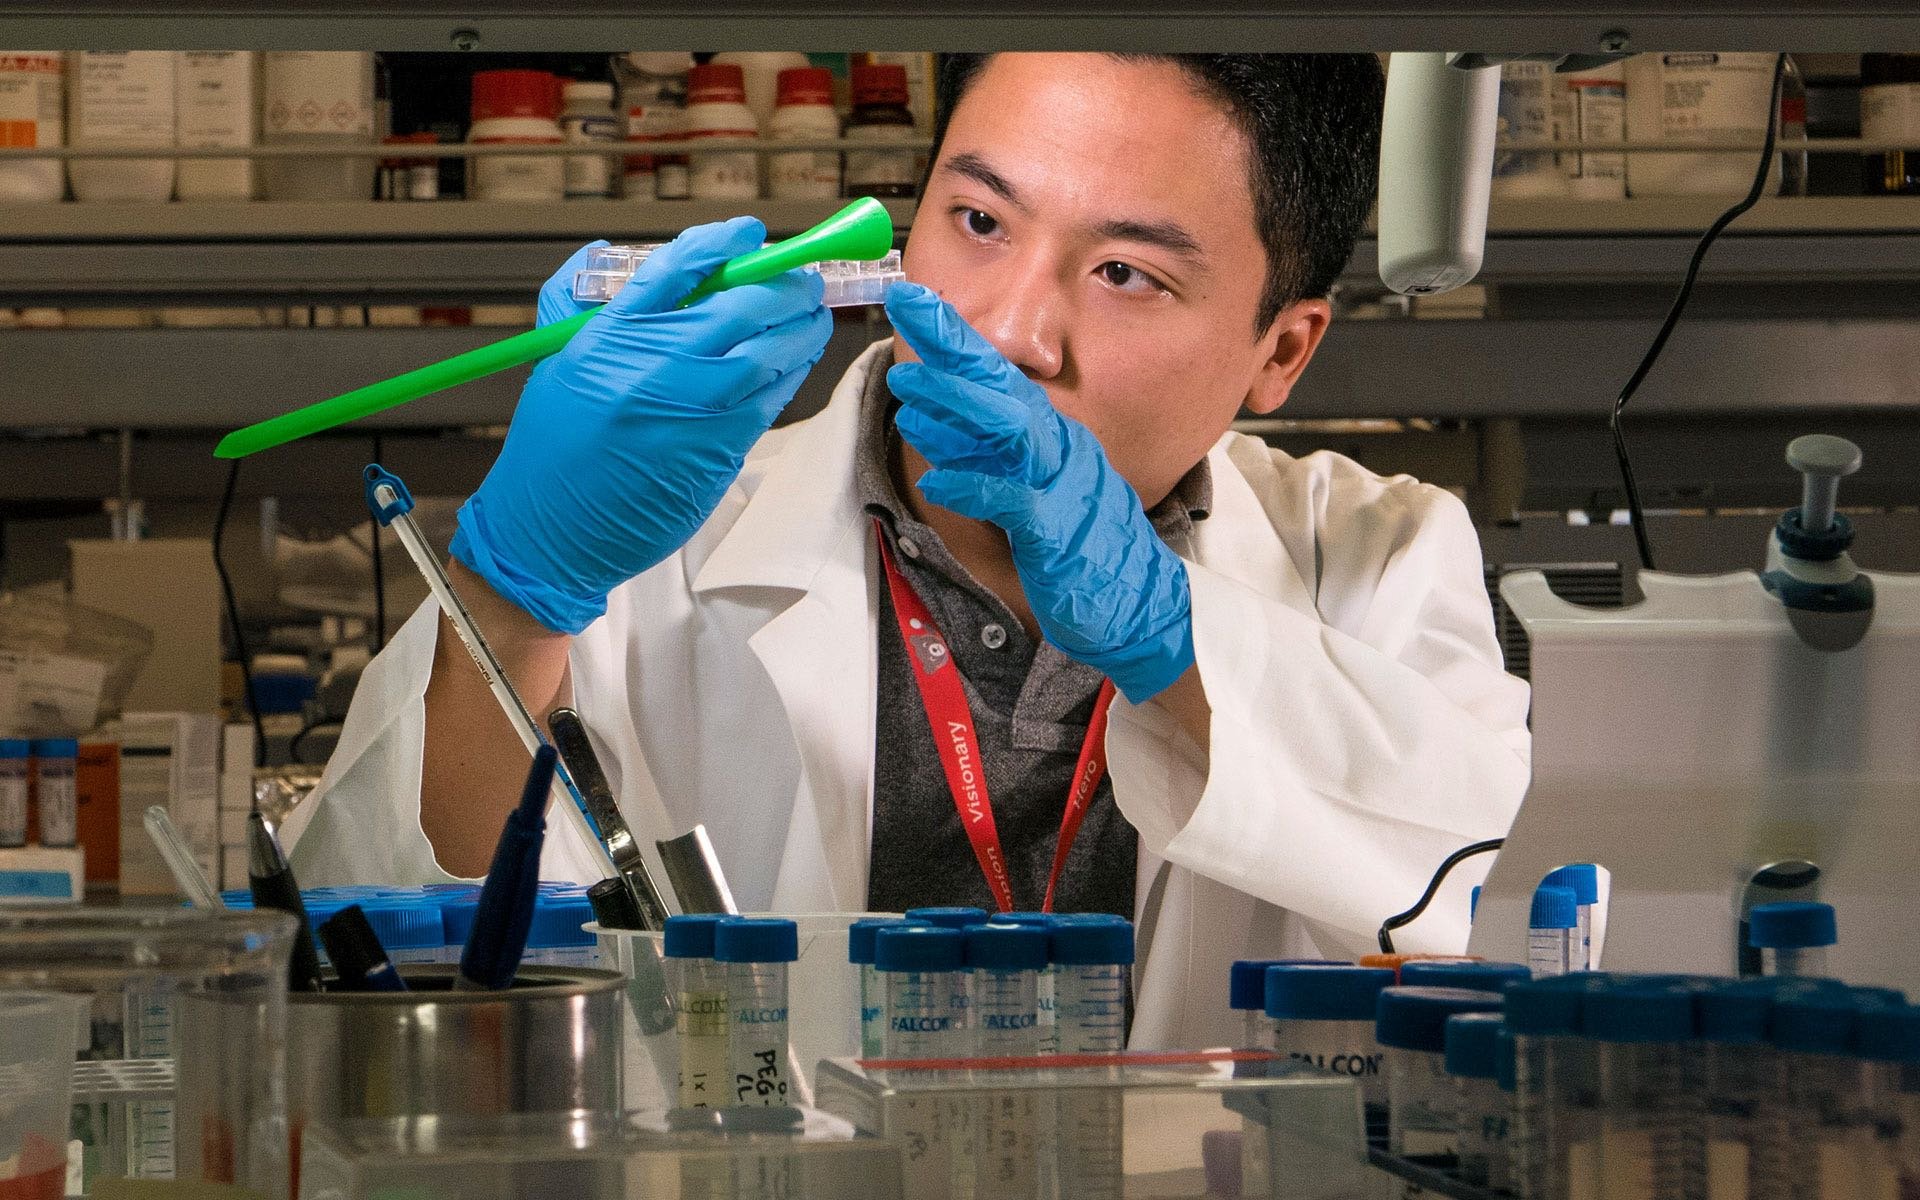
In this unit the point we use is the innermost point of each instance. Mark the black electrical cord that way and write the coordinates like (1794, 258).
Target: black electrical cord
(1433, 886)
(233, 616)
(1635, 515)
(379, 573)
(293, 745)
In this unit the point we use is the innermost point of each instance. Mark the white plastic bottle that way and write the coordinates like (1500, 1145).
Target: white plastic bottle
(217, 107)
(805, 111)
(121, 99)
(32, 115)
(587, 117)
(760, 73)
(1591, 106)
(1696, 97)
(516, 108)
(717, 110)
(317, 98)
(653, 104)
(1525, 115)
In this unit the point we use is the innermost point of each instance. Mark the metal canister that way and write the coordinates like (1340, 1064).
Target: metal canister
(549, 1043)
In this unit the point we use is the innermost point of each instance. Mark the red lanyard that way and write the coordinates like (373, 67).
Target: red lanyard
(950, 720)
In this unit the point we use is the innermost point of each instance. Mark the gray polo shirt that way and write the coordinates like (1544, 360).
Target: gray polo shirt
(1030, 705)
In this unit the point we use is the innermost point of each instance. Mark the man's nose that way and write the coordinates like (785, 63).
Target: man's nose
(1022, 309)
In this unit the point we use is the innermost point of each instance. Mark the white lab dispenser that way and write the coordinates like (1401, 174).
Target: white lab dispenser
(1724, 725)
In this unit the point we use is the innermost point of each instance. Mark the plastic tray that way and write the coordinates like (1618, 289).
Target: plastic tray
(849, 284)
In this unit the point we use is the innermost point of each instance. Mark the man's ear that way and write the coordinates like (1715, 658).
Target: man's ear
(1289, 344)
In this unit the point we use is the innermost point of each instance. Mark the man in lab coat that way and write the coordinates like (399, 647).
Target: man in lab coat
(872, 651)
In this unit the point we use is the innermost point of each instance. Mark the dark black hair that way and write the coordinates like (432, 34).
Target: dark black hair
(1313, 128)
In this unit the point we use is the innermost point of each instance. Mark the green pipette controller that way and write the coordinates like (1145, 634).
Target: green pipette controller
(862, 231)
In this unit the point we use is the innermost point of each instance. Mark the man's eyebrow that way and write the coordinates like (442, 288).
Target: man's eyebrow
(1165, 234)
(973, 167)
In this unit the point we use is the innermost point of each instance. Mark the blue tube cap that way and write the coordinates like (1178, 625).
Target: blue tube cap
(1474, 976)
(1583, 879)
(1247, 980)
(16, 748)
(1324, 991)
(948, 918)
(1039, 920)
(56, 747)
(1473, 903)
(1473, 1044)
(1006, 947)
(1415, 1018)
(1632, 1012)
(1506, 1063)
(1889, 1033)
(860, 937)
(1091, 943)
(1791, 925)
(558, 920)
(1553, 908)
(1814, 1021)
(919, 948)
(756, 940)
(1549, 1007)
(690, 936)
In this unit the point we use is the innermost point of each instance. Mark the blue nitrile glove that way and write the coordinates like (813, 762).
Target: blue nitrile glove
(1104, 587)
(624, 442)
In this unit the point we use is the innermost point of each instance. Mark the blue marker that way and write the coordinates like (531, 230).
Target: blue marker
(507, 899)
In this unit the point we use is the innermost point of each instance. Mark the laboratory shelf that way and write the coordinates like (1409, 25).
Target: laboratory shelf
(223, 378)
(461, 251)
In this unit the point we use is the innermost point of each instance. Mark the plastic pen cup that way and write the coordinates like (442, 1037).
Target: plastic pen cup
(702, 1014)
(1792, 936)
(1552, 925)
(1482, 1111)
(1411, 1025)
(756, 952)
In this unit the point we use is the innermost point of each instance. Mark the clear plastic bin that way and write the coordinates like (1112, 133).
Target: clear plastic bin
(1155, 1114)
(848, 283)
(695, 1154)
(180, 1016)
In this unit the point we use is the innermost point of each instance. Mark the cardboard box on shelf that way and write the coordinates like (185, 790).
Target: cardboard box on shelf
(96, 780)
(170, 586)
(171, 759)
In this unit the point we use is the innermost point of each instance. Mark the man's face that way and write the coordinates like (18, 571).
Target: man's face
(1093, 219)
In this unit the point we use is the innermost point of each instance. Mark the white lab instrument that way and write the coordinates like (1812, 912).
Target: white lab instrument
(1436, 170)
(848, 283)
(1722, 725)
(756, 951)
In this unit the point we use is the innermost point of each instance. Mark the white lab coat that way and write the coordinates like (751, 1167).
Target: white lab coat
(1363, 727)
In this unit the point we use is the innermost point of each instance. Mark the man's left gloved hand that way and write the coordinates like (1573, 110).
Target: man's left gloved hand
(1103, 586)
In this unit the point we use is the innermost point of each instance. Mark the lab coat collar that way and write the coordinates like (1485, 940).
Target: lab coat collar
(797, 519)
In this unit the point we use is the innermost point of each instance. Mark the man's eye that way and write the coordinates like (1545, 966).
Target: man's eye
(980, 224)
(1126, 278)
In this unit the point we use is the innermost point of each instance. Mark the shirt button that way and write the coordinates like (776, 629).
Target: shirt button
(993, 636)
(908, 547)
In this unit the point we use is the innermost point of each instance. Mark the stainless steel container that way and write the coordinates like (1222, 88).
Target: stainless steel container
(549, 1043)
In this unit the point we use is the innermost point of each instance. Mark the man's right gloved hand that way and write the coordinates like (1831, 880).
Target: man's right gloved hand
(624, 442)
